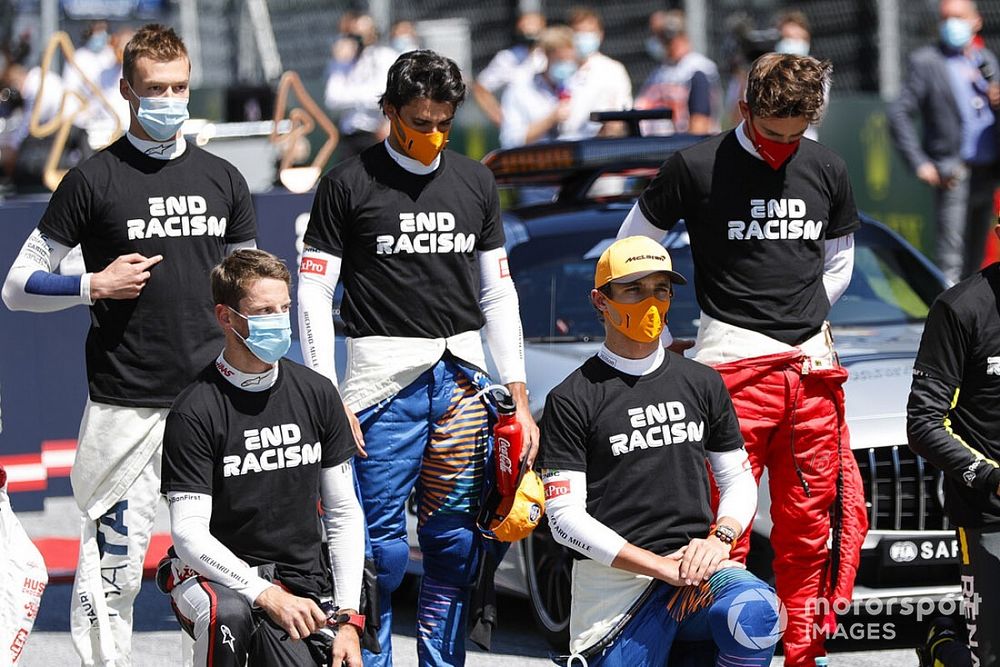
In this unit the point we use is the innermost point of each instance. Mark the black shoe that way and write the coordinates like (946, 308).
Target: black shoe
(942, 630)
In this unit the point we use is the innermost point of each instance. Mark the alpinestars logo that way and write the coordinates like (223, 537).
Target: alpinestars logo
(425, 233)
(184, 215)
(776, 219)
(993, 365)
(271, 448)
(657, 425)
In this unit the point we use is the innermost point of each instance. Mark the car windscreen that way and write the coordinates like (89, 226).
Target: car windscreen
(554, 276)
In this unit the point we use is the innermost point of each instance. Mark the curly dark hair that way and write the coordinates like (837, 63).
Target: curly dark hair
(424, 73)
(784, 86)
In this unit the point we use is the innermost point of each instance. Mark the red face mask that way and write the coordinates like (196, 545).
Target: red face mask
(774, 153)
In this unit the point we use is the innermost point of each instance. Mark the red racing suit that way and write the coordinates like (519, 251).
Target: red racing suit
(791, 416)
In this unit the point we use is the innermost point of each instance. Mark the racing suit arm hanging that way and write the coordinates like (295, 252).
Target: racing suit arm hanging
(318, 276)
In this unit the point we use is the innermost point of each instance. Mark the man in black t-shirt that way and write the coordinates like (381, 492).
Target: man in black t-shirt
(152, 215)
(248, 450)
(415, 232)
(771, 217)
(624, 443)
(953, 418)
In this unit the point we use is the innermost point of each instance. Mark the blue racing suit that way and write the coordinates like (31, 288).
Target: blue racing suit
(434, 435)
(734, 609)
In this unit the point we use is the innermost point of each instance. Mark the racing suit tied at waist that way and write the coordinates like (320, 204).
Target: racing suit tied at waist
(378, 367)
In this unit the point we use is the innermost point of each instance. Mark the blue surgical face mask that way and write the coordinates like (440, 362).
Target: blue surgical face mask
(97, 42)
(404, 44)
(956, 33)
(586, 43)
(268, 337)
(161, 117)
(795, 47)
(561, 71)
(655, 49)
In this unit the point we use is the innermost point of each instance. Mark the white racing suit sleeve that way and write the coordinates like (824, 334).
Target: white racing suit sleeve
(318, 276)
(32, 283)
(737, 486)
(636, 224)
(572, 526)
(23, 578)
(838, 266)
(498, 301)
(233, 247)
(190, 516)
(345, 533)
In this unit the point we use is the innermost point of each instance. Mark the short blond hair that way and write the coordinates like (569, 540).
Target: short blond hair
(154, 41)
(555, 38)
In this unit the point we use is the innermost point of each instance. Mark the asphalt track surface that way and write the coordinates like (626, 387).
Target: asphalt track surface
(156, 638)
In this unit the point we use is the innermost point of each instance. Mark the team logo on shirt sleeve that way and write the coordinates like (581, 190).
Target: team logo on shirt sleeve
(657, 425)
(425, 233)
(271, 448)
(183, 215)
(776, 219)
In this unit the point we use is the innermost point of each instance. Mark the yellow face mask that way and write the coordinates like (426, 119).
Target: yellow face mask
(642, 322)
(421, 146)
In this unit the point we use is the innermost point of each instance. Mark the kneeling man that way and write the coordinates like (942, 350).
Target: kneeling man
(249, 449)
(623, 446)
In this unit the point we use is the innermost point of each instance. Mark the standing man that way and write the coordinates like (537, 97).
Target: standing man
(953, 417)
(952, 86)
(153, 215)
(771, 219)
(522, 60)
(415, 232)
(624, 443)
(248, 450)
(687, 82)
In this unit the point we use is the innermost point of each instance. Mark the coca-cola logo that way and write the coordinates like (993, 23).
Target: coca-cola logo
(503, 454)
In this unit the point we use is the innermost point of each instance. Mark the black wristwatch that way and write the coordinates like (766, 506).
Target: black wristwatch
(726, 534)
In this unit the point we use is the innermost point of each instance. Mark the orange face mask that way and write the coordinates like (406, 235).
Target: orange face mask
(421, 146)
(642, 322)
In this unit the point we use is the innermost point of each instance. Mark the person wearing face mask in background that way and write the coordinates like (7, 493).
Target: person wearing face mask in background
(556, 103)
(687, 83)
(415, 232)
(771, 219)
(152, 214)
(244, 586)
(92, 57)
(952, 88)
(522, 60)
(355, 76)
(795, 39)
(600, 83)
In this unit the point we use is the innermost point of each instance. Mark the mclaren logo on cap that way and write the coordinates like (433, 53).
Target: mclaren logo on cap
(637, 258)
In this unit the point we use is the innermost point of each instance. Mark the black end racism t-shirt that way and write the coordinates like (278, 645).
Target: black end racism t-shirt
(142, 352)
(642, 443)
(408, 242)
(960, 354)
(757, 235)
(259, 455)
